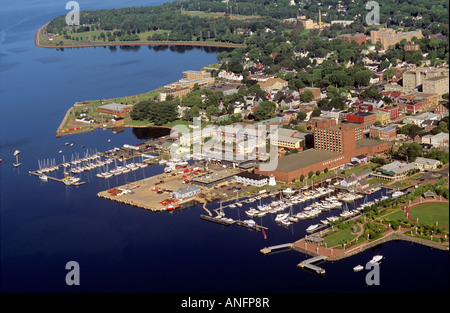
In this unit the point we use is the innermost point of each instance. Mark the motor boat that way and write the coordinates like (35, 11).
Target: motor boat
(358, 268)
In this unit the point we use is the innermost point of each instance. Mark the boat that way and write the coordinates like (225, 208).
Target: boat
(16, 154)
(43, 177)
(250, 223)
(281, 217)
(232, 206)
(288, 191)
(376, 259)
(238, 204)
(312, 227)
(397, 194)
(358, 268)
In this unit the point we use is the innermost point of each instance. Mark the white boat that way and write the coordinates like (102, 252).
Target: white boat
(281, 217)
(376, 259)
(16, 154)
(358, 268)
(232, 206)
(285, 222)
(397, 194)
(312, 227)
(250, 223)
(252, 212)
(238, 204)
(43, 177)
(288, 191)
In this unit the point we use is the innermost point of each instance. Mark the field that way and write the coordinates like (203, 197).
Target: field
(431, 213)
(337, 237)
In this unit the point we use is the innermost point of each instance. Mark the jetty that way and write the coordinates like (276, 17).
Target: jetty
(271, 249)
(309, 264)
(217, 220)
(78, 183)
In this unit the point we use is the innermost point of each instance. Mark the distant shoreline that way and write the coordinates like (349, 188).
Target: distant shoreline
(138, 43)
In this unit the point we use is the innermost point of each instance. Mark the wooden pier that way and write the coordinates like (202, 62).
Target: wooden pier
(309, 264)
(268, 250)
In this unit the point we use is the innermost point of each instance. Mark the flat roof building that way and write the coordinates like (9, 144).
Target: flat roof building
(115, 109)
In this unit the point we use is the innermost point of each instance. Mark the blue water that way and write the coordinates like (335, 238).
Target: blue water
(125, 249)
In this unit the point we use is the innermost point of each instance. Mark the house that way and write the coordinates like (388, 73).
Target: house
(348, 182)
(289, 115)
(362, 174)
(186, 192)
(440, 140)
(361, 159)
(252, 179)
(273, 84)
(362, 184)
(427, 164)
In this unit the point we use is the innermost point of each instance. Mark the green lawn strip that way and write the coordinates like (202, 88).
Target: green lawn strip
(396, 215)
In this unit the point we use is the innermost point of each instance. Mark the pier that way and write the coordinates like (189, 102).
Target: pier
(253, 227)
(268, 250)
(220, 221)
(57, 179)
(309, 264)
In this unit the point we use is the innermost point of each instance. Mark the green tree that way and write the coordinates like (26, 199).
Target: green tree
(307, 96)
(264, 110)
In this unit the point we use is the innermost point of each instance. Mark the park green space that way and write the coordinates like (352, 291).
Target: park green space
(339, 236)
(431, 213)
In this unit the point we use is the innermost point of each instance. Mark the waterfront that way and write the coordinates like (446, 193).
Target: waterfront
(127, 249)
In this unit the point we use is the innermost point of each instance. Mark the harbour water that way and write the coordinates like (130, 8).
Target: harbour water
(119, 248)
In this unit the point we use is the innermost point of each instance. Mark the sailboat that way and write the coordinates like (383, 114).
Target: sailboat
(16, 154)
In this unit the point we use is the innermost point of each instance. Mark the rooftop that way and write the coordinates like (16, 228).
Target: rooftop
(303, 159)
(115, 106)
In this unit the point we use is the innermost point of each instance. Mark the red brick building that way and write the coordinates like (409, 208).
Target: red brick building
(115, 109)
(315, 92)
(383, 133)
(358, 38)
(393, 112)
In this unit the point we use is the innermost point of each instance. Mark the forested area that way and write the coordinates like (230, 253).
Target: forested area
(180, 25)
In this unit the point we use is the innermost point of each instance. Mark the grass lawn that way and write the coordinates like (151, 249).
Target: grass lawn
(336, 238)
(396, 216)
(430, 213)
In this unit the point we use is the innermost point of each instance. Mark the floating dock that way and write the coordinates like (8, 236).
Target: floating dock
(268, 250)
(309, 264)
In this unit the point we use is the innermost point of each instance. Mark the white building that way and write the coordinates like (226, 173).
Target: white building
(252, 179)
(186, 192)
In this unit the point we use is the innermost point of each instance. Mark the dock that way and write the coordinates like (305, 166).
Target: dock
(57, 179)
(254, 227)
(309, 264)
(220, 221)
(268, 250)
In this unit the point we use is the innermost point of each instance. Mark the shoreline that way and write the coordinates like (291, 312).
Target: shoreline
(137, 43)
